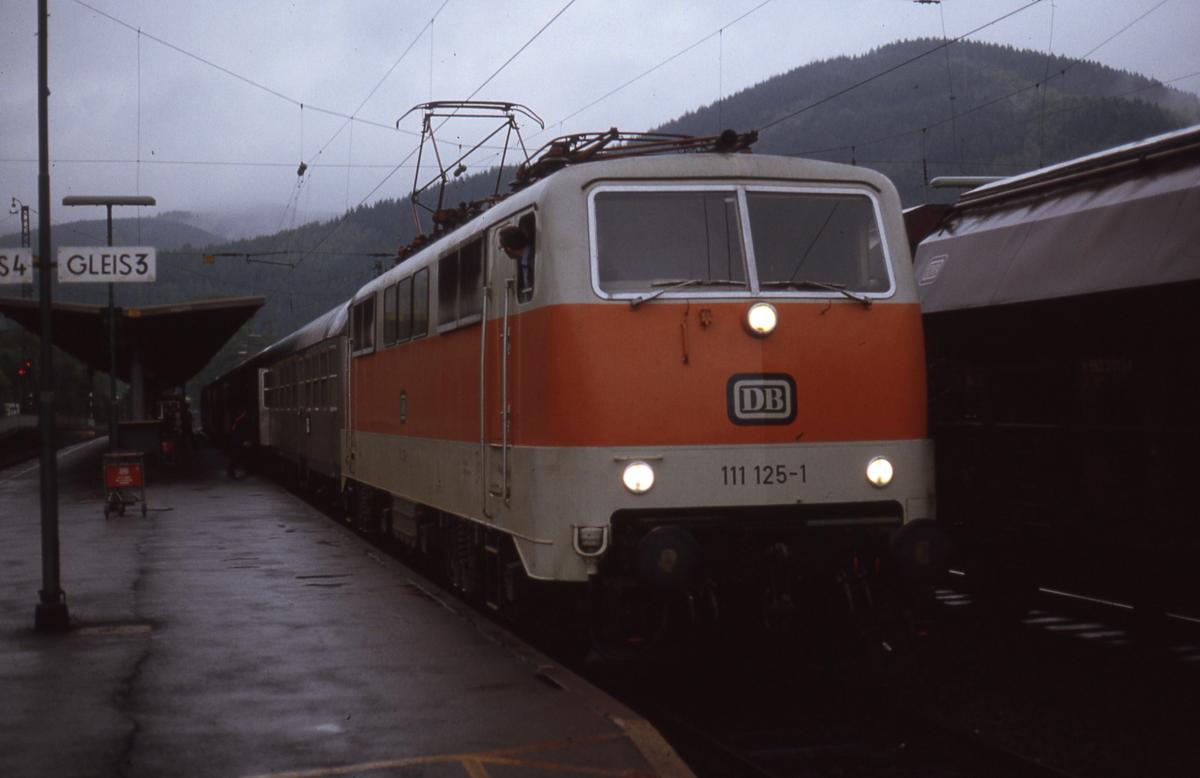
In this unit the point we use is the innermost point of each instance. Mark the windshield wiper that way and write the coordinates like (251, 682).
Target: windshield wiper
(806, 284)
(672, 285)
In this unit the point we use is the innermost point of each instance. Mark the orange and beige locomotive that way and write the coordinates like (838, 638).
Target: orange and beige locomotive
(679, 377)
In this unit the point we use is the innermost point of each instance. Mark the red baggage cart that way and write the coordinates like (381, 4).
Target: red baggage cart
(124, 481)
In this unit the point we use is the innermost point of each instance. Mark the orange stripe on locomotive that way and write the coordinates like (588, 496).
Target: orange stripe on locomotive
(604, 374)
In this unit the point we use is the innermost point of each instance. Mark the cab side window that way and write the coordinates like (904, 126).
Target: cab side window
(526, 264)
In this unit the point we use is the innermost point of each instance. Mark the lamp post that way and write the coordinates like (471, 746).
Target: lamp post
(51, 614)
(108, 201)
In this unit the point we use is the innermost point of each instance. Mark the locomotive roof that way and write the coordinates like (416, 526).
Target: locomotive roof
(689, 167)
(1115, 220)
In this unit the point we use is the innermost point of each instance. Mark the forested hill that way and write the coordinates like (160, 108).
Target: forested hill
(970, 108)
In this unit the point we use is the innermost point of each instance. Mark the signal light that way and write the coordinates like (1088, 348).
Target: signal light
(26, 368)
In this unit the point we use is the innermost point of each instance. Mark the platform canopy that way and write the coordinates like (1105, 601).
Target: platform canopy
(173, 342)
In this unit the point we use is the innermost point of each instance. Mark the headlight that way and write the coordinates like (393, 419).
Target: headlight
(880, 472)
(761, 319)
(638, 477)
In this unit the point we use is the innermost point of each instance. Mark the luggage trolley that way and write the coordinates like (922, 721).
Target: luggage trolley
(124, 474)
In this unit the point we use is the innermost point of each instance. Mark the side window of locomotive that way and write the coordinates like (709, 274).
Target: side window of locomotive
(460, 279)
(525, 265)
(404, 309)
(821, 238)
(364, 326)
(646, 239)
(389, 315)
(420, 304)
(447, 289)
(470, 281)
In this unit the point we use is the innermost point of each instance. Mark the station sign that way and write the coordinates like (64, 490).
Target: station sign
(16, 266)
(106, 264)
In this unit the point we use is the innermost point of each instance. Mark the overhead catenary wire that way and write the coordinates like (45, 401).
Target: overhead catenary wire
(894, 68)
(1045, 79)
(717, 32)
(340, 222)
(1059, 74)
(1065, 109)
(234, 74)
(351, 118)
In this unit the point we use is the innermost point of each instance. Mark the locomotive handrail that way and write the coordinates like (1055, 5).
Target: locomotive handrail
(505, 410)
(485, 470)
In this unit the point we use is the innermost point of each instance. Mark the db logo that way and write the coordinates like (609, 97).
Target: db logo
(761, 398)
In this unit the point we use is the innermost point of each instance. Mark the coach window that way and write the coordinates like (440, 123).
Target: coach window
(303, 382)
(389, 316)
(404, 309)
(309, 373)
(420, 303)
(364, 326)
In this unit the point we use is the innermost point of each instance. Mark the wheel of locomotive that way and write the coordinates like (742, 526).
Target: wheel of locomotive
(366, 518)
(626, 621)
(346, 504)
(1149, 615)
(1003, 590)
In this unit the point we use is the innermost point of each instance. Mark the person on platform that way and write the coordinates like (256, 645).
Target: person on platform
(239, 445)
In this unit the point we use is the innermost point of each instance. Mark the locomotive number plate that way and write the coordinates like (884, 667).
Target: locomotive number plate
(762, 475)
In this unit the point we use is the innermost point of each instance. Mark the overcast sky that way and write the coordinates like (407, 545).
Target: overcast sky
(202, 108)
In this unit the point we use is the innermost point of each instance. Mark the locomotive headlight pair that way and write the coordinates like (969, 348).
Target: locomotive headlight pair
(638, 477)
(880, 472)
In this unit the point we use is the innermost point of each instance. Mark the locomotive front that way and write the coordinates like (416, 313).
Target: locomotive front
(728, 397)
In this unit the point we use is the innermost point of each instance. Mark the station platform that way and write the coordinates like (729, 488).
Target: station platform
(236, 631)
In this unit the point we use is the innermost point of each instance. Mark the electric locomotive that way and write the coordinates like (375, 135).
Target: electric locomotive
(674, 378)
(698, 373)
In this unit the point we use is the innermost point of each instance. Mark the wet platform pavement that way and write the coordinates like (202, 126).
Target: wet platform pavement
(236, 631)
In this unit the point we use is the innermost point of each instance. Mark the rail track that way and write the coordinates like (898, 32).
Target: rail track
(1063, 690)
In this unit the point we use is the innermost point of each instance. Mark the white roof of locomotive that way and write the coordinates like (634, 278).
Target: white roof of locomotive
(689, 167)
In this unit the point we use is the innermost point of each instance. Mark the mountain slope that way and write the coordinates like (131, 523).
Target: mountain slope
(905, 124)
(999, 122)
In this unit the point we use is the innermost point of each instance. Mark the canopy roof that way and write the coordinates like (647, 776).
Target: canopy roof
(175, 341)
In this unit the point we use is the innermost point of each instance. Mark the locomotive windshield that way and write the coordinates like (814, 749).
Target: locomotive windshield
(656, 237)
(803, 242)
(816, 239)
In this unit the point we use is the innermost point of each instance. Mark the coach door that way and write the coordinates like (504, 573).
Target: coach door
(510, 256)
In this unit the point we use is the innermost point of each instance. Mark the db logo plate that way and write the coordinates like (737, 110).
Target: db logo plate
(761, 398)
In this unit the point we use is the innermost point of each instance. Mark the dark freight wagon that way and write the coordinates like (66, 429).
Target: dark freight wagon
(1062, 317)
